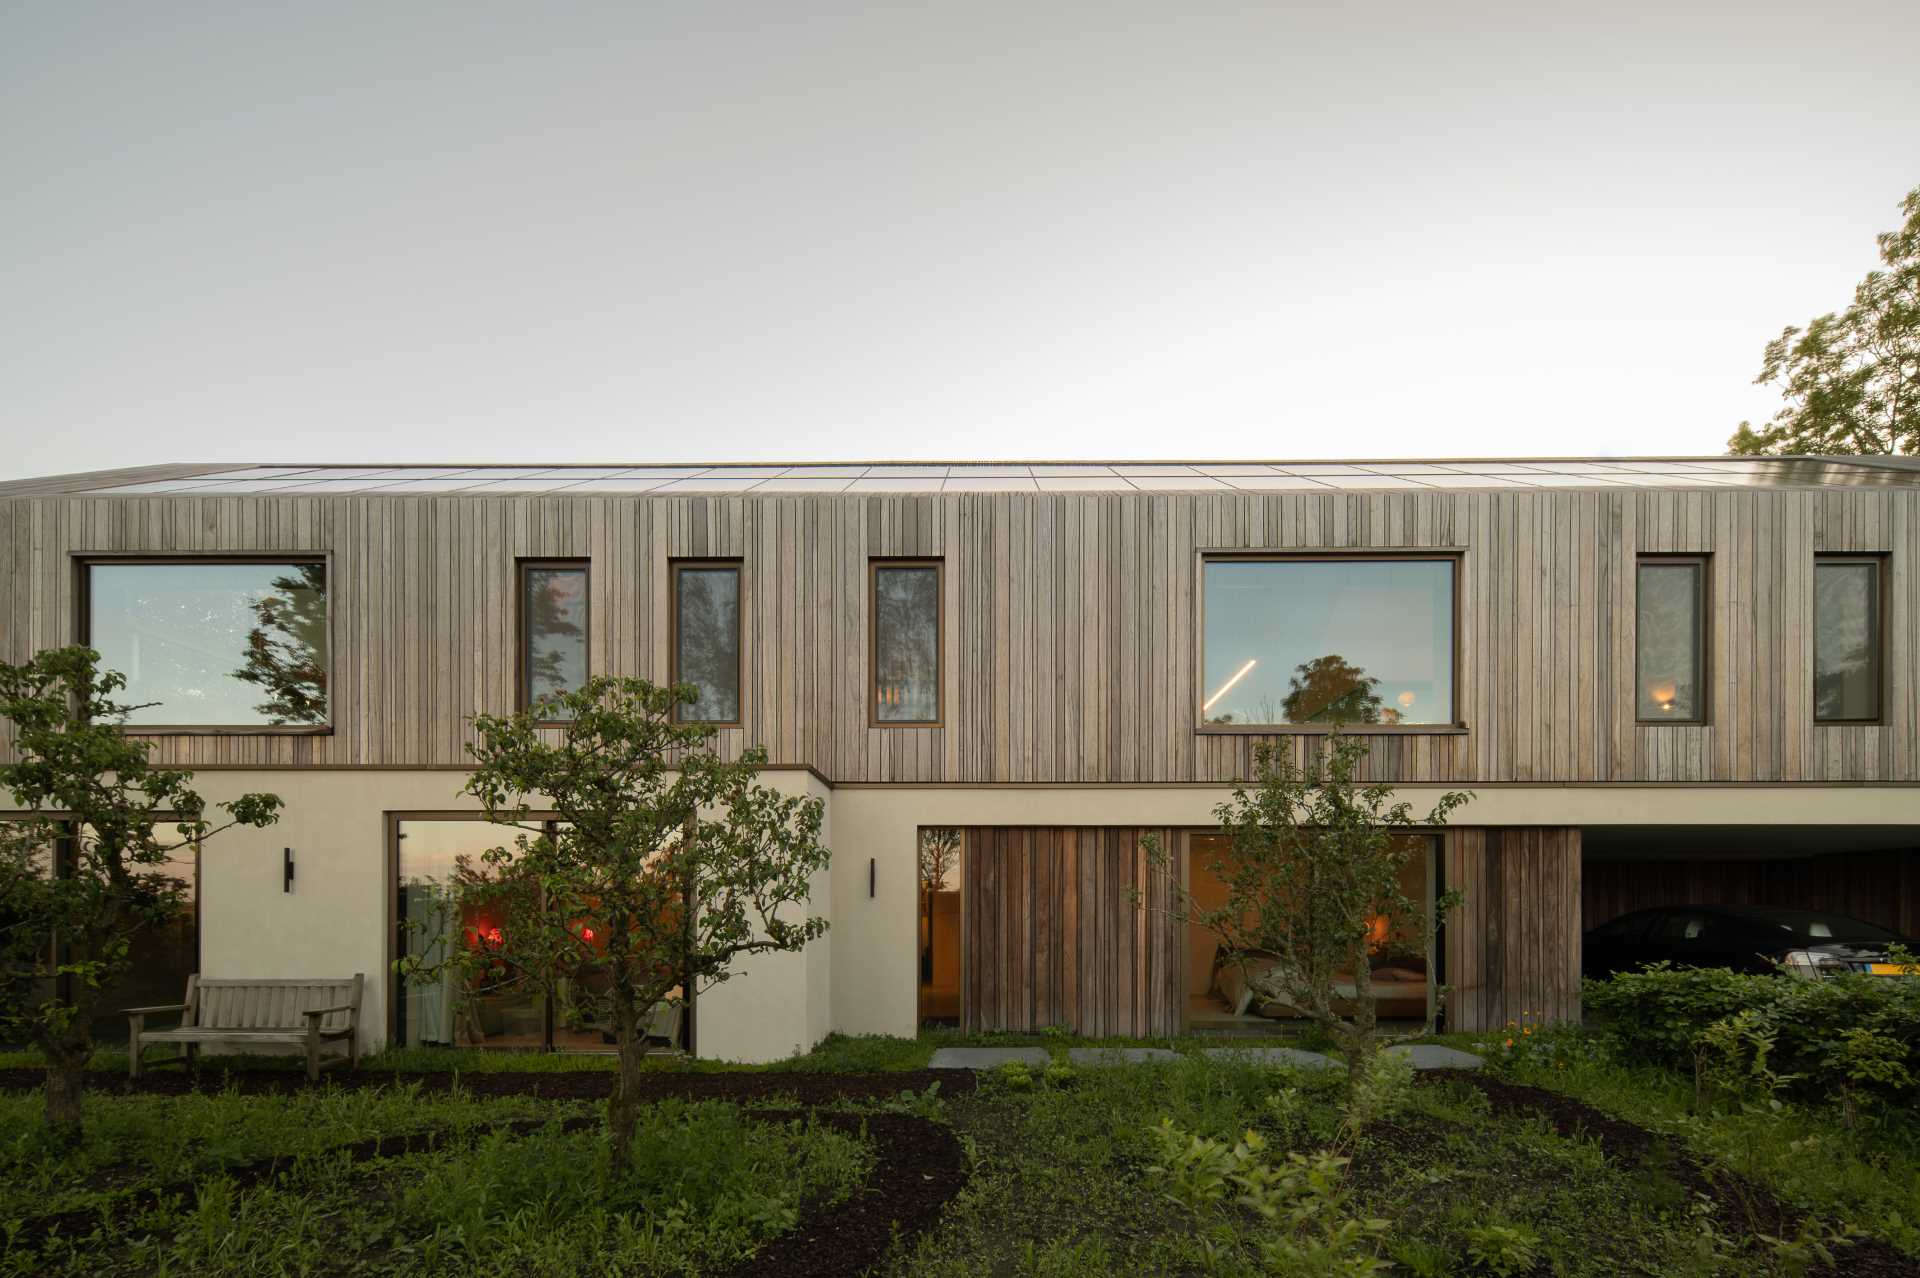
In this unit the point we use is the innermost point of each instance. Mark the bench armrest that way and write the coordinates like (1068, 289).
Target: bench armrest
(323, 1011)
(148, 1011)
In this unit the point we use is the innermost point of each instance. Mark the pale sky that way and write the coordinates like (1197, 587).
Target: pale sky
(813, 231)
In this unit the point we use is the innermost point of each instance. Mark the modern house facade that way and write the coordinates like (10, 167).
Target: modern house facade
(1665, 681)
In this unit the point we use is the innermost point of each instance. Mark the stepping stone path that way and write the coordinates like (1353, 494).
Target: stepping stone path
(987, 1057)
(1096, 1057)
(1423, 1055)
(1288, 1057)
(1433, 1056)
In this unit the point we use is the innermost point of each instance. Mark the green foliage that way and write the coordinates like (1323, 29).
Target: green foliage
(1502, 1250)
(489, 1196)
(1304, 1195)
(1316, 856)
(595, 903)
(1849, 1038)
(1851, 379)
(699, 1168)
(86, 861)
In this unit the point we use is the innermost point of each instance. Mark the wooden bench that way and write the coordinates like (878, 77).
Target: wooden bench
(248, 1014)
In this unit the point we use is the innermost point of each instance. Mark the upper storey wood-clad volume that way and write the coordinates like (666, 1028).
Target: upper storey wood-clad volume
(1070, 642)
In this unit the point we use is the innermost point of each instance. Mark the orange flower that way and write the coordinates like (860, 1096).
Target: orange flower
(1509, 1042)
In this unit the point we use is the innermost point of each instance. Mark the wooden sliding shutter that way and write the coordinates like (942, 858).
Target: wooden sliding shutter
(1513, 949)
(1052, 936)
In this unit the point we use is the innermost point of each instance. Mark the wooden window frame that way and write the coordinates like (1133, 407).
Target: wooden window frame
(523, 690)
(874, 566)
(1455, 557)
(1702, 635)
(82, 567)
(674, 568)
(1883, 636)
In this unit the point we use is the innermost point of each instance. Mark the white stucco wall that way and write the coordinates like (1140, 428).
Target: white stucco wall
(337, 920)
(861, 977)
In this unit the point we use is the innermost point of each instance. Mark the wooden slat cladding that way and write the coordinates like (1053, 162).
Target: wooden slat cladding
(1512, 951)
(1051, 935)
(1880, 887)
(1070, 621)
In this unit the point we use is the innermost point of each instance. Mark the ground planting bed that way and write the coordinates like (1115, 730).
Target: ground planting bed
(928, 1173)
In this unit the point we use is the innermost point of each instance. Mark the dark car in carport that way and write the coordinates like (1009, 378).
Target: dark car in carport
(1747, 938)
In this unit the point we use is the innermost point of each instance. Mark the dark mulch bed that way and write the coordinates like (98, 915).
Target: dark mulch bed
(742, 1088)
(1739, 1199)
(918, 1167)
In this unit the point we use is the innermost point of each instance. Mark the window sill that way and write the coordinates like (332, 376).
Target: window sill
(1326, 729)
(206, 730)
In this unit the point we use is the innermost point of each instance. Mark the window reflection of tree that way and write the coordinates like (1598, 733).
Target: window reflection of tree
(708, 613)
(556, 635)
(907, 660)
(287, 647)
(1330, 690)
(939, 858)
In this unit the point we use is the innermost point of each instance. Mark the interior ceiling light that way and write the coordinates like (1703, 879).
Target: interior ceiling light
(1227, 687)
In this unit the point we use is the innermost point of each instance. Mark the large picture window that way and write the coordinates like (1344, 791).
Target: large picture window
(553, 632)
(1670, 640)
(706, 639)
(906, 643)
(1311, 641)
(1846, 640)
(213, 643)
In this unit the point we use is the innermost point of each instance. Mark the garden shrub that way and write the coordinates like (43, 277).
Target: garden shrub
(1851, 1038)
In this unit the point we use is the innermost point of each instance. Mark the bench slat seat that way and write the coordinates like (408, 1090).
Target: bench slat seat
(295, 1013)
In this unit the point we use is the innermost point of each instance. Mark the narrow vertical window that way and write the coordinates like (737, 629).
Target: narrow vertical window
(1670, 641)
(553, 633)
(1846, 640)
(706, 640)
(906, 643)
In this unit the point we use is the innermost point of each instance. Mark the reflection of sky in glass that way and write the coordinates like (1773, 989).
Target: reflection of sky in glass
(1394, 620)
(178, 632)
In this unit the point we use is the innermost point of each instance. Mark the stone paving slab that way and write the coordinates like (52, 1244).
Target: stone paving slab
(987, 1057)
(1290, 1057)
(1433, 1056)
(1096, 1057)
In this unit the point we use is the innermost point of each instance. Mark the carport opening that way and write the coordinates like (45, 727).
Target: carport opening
(1871, 873)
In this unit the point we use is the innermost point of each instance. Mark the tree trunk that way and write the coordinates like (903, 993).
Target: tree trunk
(623, 1107)
(67, 1056)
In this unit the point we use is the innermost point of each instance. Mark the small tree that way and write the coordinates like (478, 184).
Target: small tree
(1315, 859)
(1851, 378)
(663, 866)
(83, 871)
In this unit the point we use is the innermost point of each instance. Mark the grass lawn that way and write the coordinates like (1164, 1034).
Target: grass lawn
(776, 1171)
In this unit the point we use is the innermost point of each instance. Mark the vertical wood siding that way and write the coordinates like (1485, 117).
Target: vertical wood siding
(1051, 936)
(1071, 653)
(1512, 950)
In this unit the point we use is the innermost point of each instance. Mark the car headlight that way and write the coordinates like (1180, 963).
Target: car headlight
(1812, 963)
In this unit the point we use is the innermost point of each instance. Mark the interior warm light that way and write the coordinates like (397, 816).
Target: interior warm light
(1664, 695)
(1406, 700)
(1227, 687)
